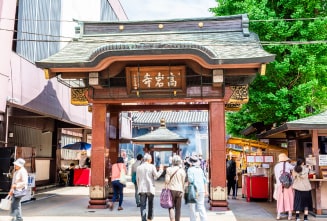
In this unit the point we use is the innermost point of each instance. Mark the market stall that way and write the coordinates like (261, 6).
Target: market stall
(76, 164)
(256, 160)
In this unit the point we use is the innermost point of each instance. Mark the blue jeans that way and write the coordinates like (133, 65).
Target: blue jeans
(198, 206)
(144, 198)
(16, 209)
(118, 190)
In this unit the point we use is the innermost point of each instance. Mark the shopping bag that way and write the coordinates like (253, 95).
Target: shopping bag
(134, 177)
(122, 178)
(192, 194)
(20, 193)
(166, 199)
(5, 203)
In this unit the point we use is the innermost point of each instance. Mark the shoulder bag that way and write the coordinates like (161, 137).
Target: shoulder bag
(166, 198)
(20, 193)
(122, 177)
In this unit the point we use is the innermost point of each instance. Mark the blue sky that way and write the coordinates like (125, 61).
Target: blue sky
(167, 9)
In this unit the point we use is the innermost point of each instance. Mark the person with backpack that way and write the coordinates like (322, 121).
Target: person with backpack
(302, 189)
(285, 194)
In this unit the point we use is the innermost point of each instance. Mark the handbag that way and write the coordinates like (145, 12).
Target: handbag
(192, 194)
(166, 198)
(122, 177)
(134, 177)
(20, 193)
(5, 203)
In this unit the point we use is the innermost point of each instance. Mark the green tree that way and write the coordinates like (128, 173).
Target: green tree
(295, 84)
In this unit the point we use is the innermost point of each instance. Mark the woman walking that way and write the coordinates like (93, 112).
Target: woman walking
(117, 186)
(175, 180)
(196, 176)
(19, 183)
(302, 187)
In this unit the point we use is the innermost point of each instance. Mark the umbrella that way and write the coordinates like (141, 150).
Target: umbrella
(78, 146)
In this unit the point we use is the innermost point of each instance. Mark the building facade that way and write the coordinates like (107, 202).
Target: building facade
(35, 112)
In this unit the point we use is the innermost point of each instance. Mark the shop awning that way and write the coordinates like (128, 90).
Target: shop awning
(254, 143)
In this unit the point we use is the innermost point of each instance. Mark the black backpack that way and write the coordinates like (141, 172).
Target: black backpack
(285, 178)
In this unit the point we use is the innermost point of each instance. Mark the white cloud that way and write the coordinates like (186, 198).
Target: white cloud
(167, 9)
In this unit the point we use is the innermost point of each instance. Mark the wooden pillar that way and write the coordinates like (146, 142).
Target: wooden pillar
(113, 143)
(98, 194)
(317, 190)
(217, 160)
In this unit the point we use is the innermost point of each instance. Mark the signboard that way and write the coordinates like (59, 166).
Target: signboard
(259, 159)
(323, 160)
(156, 79)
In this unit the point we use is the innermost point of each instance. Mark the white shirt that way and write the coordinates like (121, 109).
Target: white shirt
(146, 173)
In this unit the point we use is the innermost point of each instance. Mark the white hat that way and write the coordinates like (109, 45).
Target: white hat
(19, 162)
(283, 157)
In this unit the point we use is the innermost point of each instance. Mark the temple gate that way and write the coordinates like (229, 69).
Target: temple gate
(180, 64)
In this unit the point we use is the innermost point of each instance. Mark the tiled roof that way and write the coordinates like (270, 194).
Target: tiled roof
(315, 122)
(318, 121)
(171, 117)
(221, 40)
(161, 135)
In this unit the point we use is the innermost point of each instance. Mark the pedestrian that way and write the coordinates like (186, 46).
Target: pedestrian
(285, 196)
(146, 173)
(117, 186)
(19, 183)
(138, 162)
(70, 171)
(231, 176)
(175, 180)
(302, 189)
(196, 176)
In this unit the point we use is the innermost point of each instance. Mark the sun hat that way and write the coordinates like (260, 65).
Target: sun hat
(283, 157)
(193, 160)
(19, 162)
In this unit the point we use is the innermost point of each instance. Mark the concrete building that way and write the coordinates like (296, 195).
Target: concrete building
(36, 112)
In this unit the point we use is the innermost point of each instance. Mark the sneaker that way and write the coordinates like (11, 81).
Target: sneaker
(298, 219)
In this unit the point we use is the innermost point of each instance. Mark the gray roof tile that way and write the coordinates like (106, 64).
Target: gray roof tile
(217, 44)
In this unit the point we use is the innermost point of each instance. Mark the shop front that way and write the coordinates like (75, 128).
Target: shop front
(255, 163)
(307, 138)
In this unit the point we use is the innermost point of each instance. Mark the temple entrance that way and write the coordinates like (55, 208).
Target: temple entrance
(191, 65)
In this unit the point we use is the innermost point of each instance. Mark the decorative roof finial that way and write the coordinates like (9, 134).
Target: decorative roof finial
(162, 122)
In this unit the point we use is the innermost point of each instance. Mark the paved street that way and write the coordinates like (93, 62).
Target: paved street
(70, 203)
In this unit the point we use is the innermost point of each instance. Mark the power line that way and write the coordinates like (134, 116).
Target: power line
(167, 21)
(33, 33)
(287, 19)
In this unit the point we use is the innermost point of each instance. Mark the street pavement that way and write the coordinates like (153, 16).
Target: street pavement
(70, 204)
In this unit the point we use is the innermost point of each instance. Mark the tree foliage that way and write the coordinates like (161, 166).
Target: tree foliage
(295, 84)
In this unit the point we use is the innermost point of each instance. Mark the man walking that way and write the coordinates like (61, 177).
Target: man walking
(146, 173)
(138, 162)
(231, 176)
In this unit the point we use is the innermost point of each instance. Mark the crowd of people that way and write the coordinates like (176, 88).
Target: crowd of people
(295, 198)
(177, 176)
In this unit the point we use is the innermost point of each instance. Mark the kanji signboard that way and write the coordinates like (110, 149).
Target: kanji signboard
(161, 79)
